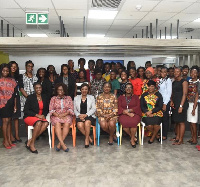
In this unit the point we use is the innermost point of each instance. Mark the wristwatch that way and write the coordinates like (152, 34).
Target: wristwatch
(181, 106)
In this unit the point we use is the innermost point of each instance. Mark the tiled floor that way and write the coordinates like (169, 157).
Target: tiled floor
(152, 165)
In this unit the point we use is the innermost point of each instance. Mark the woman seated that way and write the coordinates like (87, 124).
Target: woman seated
(151, 105)
(84, 109)
(129, 112)
(35, 111)
(61, 113)
(107, 110)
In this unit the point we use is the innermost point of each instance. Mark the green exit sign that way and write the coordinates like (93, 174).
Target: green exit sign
(37, 18)
(43, 18)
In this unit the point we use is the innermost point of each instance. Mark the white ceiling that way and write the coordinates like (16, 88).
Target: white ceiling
(128, 22)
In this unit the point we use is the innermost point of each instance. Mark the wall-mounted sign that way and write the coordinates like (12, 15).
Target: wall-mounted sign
(37, 18)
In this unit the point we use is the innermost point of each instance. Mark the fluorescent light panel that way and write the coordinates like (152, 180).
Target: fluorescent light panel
(37, 35)
(102, 14)
(197, 20)
(95, 35)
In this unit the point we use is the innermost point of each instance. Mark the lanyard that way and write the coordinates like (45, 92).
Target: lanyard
(128, 101)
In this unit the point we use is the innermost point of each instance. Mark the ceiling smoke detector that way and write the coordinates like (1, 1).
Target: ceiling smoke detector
(138, 7)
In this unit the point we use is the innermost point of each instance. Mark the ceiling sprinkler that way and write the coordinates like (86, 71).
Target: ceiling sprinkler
(138, 7)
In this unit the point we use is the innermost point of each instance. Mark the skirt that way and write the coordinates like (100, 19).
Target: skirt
(31, 121)
(17, 114)
(7, 111)
(129, 122)
(90, 118)
(152, 120)
(190, 117)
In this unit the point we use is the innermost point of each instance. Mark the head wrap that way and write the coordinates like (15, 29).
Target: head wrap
(151, 70)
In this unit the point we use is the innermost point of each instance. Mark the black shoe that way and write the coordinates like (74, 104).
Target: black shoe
(149, 142)
(193, 143)
(158, 139)
(66, 150)
(36, 152)
(92, 143)
(86, 146)
(110, 143)
(15, 141)
(115, 140)
(27, 147)
(20, 141)
(133, 146)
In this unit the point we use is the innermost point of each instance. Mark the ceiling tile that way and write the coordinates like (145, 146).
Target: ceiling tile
(194, 9)
(8, 4)
(12, 13)
(71, 4)
(130, 15)
(166, 6)
(99, 22)
(124, 22)
(130, 5)
(186, 17)
(158, 15)
(36, 4)
(72, 13)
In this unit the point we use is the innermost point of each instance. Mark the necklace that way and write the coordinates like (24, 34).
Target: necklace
(128, 101)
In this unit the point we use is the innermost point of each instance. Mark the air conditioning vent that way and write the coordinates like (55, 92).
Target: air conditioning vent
(106, 3)
(189, 29)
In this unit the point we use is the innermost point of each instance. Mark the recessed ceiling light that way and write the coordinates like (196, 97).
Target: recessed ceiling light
(138, 7)
(102, 14)
(37, 35)
(95, 35)
(197, 20)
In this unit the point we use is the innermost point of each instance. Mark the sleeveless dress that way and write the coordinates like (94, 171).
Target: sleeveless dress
(177, 93)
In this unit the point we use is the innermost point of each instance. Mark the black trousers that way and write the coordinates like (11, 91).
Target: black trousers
(165, 120)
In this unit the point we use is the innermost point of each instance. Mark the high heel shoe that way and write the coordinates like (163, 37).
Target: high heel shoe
(133, 146)
(27, 147)
(18, 140)
(86, 146)
(36, 152)
(149, 142)
(66, 150)
(13, 145)
(57, 149)
(7, 147)
(92, 143)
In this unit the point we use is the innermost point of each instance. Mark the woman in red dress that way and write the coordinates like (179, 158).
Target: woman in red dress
(129, 112)
(136, 82)
(35, 111)
(7, 103)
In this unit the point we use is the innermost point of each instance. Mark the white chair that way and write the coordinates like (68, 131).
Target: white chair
(143, 125)
(30, 128)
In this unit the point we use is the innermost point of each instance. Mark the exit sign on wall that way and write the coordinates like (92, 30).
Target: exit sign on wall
(37, 18)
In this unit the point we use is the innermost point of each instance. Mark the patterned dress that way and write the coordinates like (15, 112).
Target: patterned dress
(60, 106)
(107, 106)
(27, 84)
(154, 103)
(97, 87)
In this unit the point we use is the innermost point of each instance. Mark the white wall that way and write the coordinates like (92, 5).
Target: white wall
(57, 61)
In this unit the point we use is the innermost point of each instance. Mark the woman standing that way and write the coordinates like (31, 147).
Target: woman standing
(45, 82)
(90, 71)
(26, 82)
(52, 75)
(123, 83)
(129, 112)
(61, 110)
(35, 111)
(165, 88)
(81, 79)
(97, 83)
(14, 69)
(179, 104)
(141, 73)
(192, 112)
(136, 82)
(107, 110)
(151, 105)
(66, 79)
(7, 103)
(149, 73)
(84, 109)
(73, 73)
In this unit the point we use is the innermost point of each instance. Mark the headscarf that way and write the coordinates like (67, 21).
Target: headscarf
(151, 70)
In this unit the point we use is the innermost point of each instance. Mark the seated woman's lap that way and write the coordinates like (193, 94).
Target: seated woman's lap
(31, 121)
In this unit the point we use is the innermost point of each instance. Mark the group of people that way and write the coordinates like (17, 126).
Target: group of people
(108, 92)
